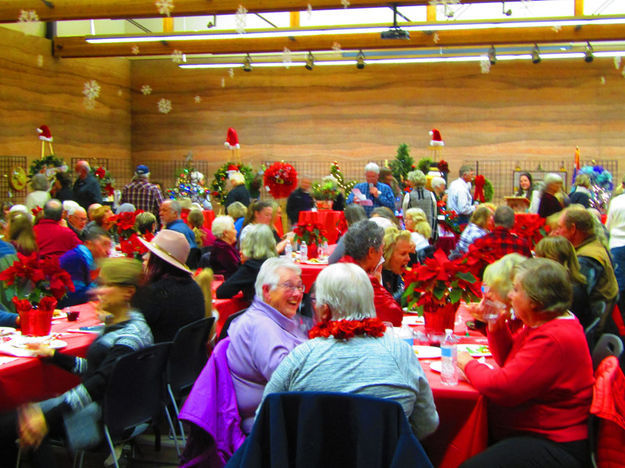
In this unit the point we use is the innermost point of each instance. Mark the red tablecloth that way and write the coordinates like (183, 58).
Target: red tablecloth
(30, 379)
(332, 221)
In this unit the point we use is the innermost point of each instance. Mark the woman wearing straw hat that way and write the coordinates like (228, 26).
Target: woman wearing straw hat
(170, 298)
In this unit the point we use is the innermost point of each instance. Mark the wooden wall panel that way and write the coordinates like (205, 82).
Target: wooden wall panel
(51, 94)
(519, 111)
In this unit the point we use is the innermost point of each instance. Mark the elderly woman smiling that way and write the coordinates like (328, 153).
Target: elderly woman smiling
(263, 336)
(539, 397)
(350, 353)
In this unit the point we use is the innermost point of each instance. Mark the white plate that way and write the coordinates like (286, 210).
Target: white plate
(408, 311)
(427, 352)
(6, 331)
(18, 346)
(318, 262)
(412, 320)
(475, 350)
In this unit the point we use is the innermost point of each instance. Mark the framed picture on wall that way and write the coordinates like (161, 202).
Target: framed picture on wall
(538, 177)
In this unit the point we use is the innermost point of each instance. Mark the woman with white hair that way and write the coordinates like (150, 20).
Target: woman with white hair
(223, 258)
(265, 334)
(349, 352)
(549, 203)
(239, 191)
(39, 196)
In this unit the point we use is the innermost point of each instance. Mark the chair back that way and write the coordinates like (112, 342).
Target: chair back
(188, 354)
(224, 330)
(135, 390)
(193, 259)
(608, 345)
(312, 429)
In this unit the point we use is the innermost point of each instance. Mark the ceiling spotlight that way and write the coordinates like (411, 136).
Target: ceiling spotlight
(310, 61)
(536, 54)
(589, 56)
(247, 63)
(360, 60)
(507, 12)
(492, 55)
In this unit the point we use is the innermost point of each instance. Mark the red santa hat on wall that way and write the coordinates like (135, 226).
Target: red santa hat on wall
(232, 139)
(44, 133)
(436, 139)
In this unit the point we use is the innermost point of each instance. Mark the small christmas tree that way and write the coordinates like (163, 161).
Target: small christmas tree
(402, 165)
(190, 184)
(345, 185)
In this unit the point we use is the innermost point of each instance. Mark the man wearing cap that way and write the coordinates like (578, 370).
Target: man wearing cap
(86, 188)
(170, 219)
(141, 193)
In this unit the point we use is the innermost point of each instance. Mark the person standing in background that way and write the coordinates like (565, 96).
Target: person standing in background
(459, 198)
(299, 200)
(141, 193)
(86, 188)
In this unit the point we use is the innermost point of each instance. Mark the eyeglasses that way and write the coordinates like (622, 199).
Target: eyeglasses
(292, 287)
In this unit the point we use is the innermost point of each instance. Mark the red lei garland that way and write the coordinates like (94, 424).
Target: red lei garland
(346, 329)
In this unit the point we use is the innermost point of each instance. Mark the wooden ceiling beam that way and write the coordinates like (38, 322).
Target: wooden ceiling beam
(72, 47)
(59, 10)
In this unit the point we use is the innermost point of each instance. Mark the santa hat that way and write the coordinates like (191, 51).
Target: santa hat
(44, 133)
(436, 139)
(232, 139)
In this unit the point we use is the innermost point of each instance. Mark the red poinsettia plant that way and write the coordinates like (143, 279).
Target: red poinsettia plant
(532, 228)
(443, 166)
(439, 281)
(311, 233)
(129, 242)
(346, 329)
(36, 281)
(280, 179)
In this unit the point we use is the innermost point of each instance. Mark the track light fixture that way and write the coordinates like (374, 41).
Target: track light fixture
(492, 55)
(247, 63)
(536, 54)
(360, 60)
(589, 55)
(310, 61)
(505, 12)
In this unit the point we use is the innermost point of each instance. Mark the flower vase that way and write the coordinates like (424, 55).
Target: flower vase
(37, 321)
(324, 204)
(440, 317)
(312, 251)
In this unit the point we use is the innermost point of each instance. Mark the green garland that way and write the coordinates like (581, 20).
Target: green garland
(48, 162)
(424, 165)
(218, 185)
(488, 190)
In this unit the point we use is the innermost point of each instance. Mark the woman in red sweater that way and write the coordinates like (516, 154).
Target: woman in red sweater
(540, 395)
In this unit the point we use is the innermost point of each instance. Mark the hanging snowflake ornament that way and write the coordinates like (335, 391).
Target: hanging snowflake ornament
(617, 62)
(436, 38)
(197, 99)
(164, 106)
(602, 80)
(231, 72)
(485, 64)
(223, 82)
(336, 47)
(345, 3)
(309, 11)
(178, 57)
(240, 19)
(556, 28)
(40, 60)
(146, 90)
(164, 7)
(286, 57)
(91, 89)
(134, 49)
(88, 103)
(28, 16)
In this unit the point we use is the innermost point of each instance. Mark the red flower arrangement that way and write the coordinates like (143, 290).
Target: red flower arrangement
(443, 166)
(439, 281)
(532, 228)
(311, 233)
(280, 179)
(129, 242)
(346, 329)
(105, 180)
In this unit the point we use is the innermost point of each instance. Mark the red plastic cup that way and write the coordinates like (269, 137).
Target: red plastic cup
(72, 315)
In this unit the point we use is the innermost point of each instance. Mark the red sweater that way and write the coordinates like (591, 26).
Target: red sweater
(53, 239)
(544, 383)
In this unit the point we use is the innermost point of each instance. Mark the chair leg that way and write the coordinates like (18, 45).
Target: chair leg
(171, 428)
(79, 458)
(19, 456)
(111, 446)
(177, 411)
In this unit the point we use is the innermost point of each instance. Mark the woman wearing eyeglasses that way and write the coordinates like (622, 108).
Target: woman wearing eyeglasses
(265, 334)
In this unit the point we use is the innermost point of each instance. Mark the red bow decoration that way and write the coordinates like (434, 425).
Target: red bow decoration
(479, 188)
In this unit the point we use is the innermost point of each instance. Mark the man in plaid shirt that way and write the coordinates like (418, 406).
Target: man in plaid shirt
(141, 193)
(500, 241)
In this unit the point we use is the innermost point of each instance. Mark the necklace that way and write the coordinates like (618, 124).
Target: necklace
(346, 329)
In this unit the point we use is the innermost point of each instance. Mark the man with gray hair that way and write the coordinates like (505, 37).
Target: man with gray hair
(76, 217)
(170, 219)
(52, 238)
(265, 334)
(372, 193)
(86, 188)
(459, 198)
(364, 247)
(500, 241)
(141, 193)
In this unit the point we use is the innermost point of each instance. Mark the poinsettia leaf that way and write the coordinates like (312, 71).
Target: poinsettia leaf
(466, 276)
(455, 295)
(439, 292)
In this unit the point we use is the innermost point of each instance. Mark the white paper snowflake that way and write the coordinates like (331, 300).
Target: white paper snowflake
(436, 38)
(91, 89)
(164, 7)
(286, 57)
(231, 72)
(88, 103)
(178, 57)
(28, 16)
(223, 82)
(602, 80)
(146, 89)
(336, 47)
(135, 49)
(556, 28)
(240, 19)
(40, 60)
(617, 62)
(197, 99)
(485, 64)
(345, 3)
(164, 106)
(309, 11)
